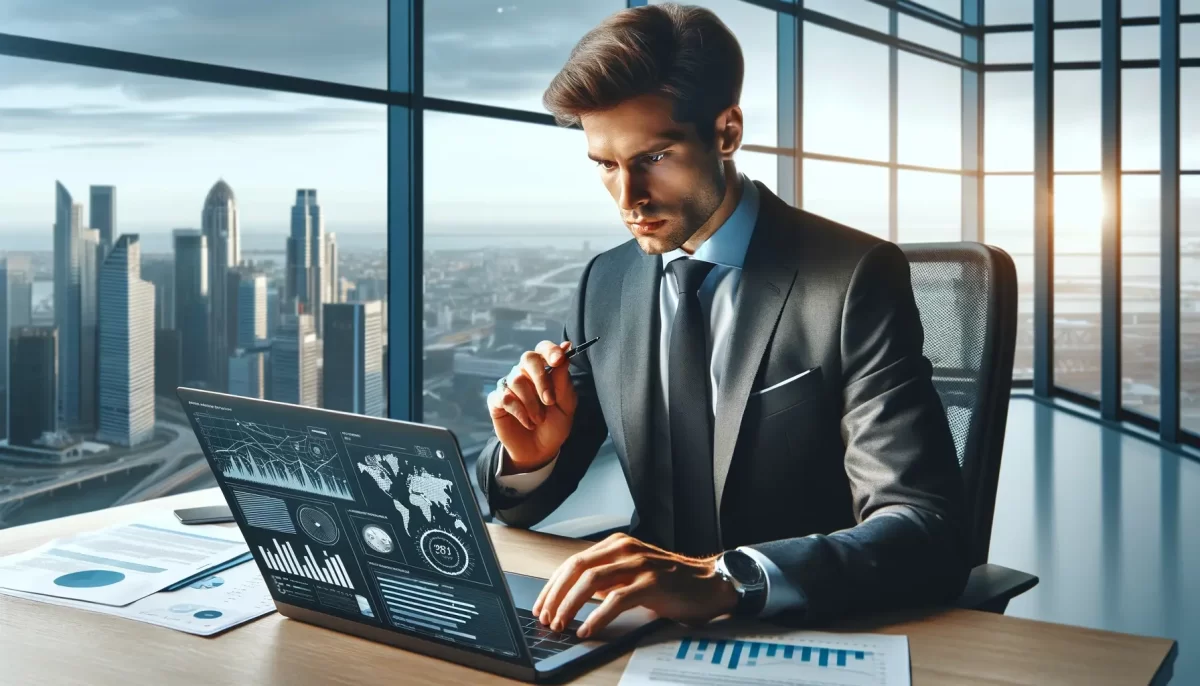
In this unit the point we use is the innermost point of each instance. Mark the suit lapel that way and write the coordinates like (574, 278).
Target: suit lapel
(767, 278)
(639, 362)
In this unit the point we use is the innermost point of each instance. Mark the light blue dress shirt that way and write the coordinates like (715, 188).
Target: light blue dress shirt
(726, 249)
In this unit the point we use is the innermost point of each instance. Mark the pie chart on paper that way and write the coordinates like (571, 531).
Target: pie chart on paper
(89, 578)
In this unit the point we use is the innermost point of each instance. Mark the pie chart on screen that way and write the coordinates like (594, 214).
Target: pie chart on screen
(89, 578)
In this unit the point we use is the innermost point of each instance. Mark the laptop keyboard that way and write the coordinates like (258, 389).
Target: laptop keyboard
(542, 641)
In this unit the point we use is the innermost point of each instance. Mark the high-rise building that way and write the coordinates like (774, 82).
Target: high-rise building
(219, 222)
(67, 216)
(353, 369)
(248, 294)
(161, 273)
(16, 293)
(247, 373)
(332, 278)
(168, 362)
(33, 371)
(272, 311)
(191, 305)
(306, 255)
(126, 347)
(103, 215)
(90, 255)
(294, 354)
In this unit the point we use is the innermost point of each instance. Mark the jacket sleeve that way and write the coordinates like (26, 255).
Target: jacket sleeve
(588, 432)
(909, 545)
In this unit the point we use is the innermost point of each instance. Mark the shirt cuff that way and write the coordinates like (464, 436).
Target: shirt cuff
(781, 595)
(524, 483)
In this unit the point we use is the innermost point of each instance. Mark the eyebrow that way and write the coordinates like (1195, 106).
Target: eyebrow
(666, 137)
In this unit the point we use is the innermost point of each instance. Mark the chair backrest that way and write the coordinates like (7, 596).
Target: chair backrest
(967, 295)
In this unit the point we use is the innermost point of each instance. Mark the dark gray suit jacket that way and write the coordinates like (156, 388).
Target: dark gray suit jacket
(846, 478)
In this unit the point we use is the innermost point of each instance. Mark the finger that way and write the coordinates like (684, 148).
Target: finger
(565, 576)
(523, 388)
(616, 602)
(513, 406)
(534, 366)
(552, 352)
(607, 576)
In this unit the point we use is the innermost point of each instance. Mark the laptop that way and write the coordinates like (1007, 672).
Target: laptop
(370, 527)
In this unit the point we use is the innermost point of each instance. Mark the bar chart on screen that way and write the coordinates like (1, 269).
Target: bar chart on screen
(787, 659)
(329, 570)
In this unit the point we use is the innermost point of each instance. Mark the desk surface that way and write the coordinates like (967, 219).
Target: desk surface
(56, 645)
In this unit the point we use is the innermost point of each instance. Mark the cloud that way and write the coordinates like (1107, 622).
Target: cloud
(100, 145)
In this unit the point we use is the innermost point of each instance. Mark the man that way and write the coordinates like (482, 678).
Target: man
(760, 370)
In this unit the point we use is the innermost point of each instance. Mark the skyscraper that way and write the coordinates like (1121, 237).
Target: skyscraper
(191, 305)
(67, 217)
(16, 292)
(247, 373)
(306, 255)
(294, 361)
(161, 273)
(168, 362)
(332, 281)
(33, 371)
(251, 308)
(103, 215)
(219, 222)
(353, 368)
(90, 252)
(126, 347)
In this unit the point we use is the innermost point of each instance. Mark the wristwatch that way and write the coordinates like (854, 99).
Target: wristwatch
(748, 580)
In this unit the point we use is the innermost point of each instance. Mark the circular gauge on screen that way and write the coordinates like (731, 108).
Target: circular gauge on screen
(377, 539)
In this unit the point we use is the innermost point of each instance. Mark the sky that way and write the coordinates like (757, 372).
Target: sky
(164, 142)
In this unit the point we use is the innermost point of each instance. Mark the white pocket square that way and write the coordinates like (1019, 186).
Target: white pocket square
(784, 382)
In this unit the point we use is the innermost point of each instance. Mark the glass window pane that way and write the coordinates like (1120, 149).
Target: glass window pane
(1140, 125)
(1008, 11)
(201, 158)
(928, 207)
(852, 194)
(952, 8)
(1078, 210)
(1008, 48)
(1139, 42)
(1141, 8)
(503, 54)
(930, 113)
(1077, 120)
(861, 12)
(927, 34)
(1189, 7)
(1008, 224)
(759, 166)
(1189, 118)
(348, 45)
(1141, 253)
(1189, 301)
(1189, 39)
(1075, 10)
(1077, 45)
(845, 109)
(1008, 121)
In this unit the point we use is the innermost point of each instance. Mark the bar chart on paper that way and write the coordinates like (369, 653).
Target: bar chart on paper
(329, 570)
(795, 658)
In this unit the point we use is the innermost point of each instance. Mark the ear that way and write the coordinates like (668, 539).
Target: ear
(729, 131)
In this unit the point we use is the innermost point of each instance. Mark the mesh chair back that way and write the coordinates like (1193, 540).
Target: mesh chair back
(967, 296)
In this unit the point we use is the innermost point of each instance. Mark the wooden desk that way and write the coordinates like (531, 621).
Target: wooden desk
(45, 644)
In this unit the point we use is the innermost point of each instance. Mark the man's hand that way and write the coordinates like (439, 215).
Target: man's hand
(533, 416)
(626, 573)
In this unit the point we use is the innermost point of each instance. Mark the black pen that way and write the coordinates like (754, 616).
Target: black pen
(575, 351)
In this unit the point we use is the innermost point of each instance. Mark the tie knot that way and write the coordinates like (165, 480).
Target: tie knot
(688, 274)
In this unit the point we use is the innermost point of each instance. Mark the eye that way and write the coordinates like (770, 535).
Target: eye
(606, 165)
(656, 157)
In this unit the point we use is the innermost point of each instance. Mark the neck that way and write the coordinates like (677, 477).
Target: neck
(733, 195)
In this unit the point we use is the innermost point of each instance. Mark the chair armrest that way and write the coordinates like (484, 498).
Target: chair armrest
(990, 587)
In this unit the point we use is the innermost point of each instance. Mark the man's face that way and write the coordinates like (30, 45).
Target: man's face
(666, 182)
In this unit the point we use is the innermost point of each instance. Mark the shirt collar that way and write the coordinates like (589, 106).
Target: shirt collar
(727, 246)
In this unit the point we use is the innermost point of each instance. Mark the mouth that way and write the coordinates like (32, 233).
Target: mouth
(646, 227)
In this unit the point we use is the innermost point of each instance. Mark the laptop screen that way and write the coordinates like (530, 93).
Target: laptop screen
(362, 518)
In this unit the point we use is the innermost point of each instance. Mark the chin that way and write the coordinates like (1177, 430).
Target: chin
(657, 245)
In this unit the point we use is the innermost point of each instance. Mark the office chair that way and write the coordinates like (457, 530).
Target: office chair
(967, 297)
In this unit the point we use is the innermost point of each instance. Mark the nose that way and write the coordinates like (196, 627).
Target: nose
(632, 191)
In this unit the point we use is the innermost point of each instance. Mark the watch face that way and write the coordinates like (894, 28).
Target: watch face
(743, 568)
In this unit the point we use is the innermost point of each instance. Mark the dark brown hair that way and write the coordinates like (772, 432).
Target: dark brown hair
(681, 51)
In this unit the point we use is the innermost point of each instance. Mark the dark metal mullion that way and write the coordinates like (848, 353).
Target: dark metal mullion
(893, 129)
(1043, 221)
(931, 16)
(1170, 383)
(406, 72)
(972, 125)
(882, 38)
(789, 57)
(1110, 175)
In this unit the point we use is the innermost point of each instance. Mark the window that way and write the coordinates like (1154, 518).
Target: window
(759, 166)
(1140, 42)
(503, 54)
(930, 113)
(1140, 290)
(1008, 122)
(130, 159)
(1008, 224)
(1189, 39)
(298, 39)
(951, 8)
(1077, 45)
(1078, 210)
(1140, 8)
(1140, 123)
(924, 33)
(929, 207)
(1189, 118)
(861, 12)
(1074, 10)
(852, 194)
(1189, 301)
(1008, 11)
(845, 109)
(1077, 121)
(1008, 48)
